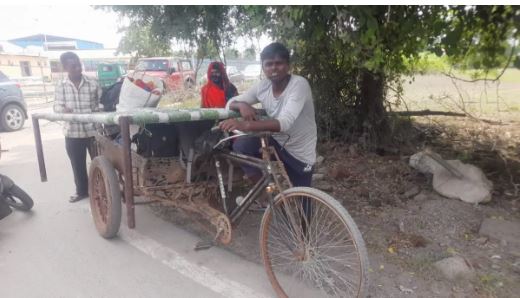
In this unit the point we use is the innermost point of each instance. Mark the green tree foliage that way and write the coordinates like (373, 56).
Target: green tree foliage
(249, 53)
(231, 53)
(350, 54)
(140, 41)
(208, 27)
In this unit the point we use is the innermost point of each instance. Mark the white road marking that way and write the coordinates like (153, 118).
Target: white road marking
(202, 275)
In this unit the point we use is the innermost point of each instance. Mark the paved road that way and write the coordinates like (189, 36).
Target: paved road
(54, 251)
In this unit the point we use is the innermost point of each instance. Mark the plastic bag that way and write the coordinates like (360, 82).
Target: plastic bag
(134, 96)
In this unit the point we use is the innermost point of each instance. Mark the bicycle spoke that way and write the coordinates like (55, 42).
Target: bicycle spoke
(309, 245)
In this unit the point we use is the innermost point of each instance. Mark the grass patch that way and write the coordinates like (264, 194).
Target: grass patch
(191, 98)
(183, 99)
(511, 75)
(421, 264)
(492, 100)
(489, 283)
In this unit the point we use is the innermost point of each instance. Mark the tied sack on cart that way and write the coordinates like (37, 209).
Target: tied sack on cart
(140, 91)
(144, 91)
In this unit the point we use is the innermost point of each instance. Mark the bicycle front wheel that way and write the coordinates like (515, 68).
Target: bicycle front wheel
(311, 247)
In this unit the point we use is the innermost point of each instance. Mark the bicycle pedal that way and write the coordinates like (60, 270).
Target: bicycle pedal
(203, 245)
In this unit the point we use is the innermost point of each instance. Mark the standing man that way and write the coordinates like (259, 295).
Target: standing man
(77, 93)
(218, 90)
(287, 100)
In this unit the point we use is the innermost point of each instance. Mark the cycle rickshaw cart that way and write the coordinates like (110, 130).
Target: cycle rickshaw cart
(308, 242)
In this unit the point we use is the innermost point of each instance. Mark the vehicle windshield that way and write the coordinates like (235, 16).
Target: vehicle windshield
(152, 65)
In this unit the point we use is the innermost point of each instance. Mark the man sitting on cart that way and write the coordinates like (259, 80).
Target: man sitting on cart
(287, 100)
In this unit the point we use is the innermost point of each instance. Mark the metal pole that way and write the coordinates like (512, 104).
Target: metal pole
(124, 124)
(39, 149)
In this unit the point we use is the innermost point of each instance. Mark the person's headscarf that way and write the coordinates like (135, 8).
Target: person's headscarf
(216, 93)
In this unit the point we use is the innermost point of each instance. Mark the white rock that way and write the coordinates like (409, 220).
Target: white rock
(454, 268)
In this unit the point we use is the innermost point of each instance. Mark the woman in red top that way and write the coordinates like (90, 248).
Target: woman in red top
(218, 90)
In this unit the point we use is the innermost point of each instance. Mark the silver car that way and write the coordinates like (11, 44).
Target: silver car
(13, 110)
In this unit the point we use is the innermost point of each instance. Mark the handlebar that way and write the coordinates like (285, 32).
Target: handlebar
(236, 131)
(237, 134)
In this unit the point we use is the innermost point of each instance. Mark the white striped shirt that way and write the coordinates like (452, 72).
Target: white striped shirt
(84, 99)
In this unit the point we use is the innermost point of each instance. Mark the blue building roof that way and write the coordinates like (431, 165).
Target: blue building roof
(41, 39)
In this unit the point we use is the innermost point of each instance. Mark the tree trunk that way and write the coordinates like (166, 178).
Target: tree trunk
(372, 117)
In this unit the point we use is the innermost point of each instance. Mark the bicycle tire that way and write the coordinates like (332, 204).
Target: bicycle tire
(323, 286)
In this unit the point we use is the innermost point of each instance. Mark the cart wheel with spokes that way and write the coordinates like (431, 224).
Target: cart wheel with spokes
(311, 247)
(105, 197)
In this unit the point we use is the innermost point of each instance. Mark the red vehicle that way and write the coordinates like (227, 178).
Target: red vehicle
(177, 73)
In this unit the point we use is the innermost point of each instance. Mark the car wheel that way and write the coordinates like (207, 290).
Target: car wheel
(12, 118)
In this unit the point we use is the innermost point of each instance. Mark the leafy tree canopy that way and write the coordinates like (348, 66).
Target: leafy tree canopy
(350, 54)
(140, 41)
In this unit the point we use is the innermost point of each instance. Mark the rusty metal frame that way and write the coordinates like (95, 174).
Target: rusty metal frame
(128, 187)
(39, 149)
(124, 160)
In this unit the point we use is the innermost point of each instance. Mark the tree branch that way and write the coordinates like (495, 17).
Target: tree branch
(441, 113)
(428, 113)
(486, 79)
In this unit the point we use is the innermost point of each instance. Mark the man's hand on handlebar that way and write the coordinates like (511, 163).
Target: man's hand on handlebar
(230, 125)
(247, 112)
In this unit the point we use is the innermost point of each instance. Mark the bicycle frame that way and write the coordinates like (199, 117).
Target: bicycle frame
(268, 180)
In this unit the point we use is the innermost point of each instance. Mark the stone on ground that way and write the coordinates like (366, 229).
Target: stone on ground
(454, 268)
(502, 230)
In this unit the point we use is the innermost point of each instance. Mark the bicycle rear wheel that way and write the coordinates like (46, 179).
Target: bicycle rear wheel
(311, 247)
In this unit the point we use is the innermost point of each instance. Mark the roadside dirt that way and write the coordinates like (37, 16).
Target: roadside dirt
(407, 227)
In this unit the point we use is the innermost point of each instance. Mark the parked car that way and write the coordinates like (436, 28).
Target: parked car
(13, 110)
(109, 73)
(176, 73)
(253, 72)
(235, 76)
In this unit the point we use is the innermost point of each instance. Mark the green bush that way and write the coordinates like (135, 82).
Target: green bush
(428, 63)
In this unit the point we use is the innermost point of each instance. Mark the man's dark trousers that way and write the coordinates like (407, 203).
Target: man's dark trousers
(77, 151)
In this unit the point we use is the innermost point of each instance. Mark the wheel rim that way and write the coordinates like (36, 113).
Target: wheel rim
(316, 255)
(99, 197)
(14, 118)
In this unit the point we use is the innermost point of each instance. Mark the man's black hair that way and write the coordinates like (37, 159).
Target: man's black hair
(273, 50)
(66, 56)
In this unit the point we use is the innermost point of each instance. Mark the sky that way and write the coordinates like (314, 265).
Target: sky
(78, 21)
